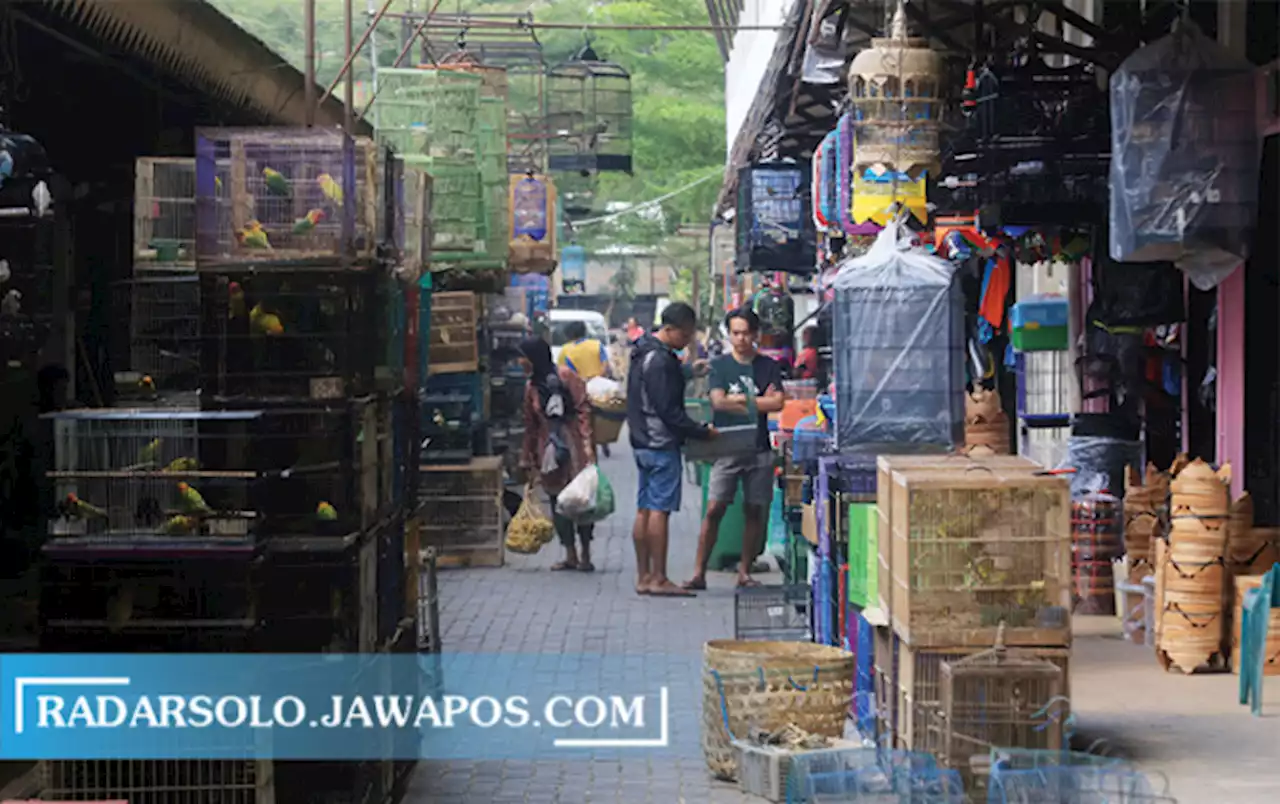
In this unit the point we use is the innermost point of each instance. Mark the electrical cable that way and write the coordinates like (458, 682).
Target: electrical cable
(646, 205)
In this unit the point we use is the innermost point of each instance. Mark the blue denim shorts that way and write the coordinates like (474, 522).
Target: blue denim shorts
(661, 479)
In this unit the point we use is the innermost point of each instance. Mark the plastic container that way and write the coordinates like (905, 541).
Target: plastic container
(1039, 324)
(733, 442)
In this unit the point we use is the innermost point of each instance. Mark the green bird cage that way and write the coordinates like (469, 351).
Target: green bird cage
(428, 112)
(459, 217)
(589, 115)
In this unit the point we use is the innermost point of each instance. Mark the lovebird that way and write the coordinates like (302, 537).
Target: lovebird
(330, 187)
(235, 301)
(265, 323)
(254, 236)
(192, 502)
(151, 452)
(147, 385)
(182, 465)
(276, 183)
(326, 512)
(179, 525)
(308, 222)
(77, 507)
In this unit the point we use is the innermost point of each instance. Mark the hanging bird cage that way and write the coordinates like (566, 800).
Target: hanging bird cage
(533, 224)
(589, 115)
(573, 269)
(493, 77)
(894, 86)
(775, 220)
(429, 112)
(29, 242)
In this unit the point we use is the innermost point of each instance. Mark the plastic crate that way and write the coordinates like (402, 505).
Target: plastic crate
(863, 566)
(732, 442)
(824, 589)
(772, 613)
(864, 680)
(1039, 324)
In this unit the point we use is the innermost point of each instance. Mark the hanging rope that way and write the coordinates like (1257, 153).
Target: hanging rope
(646, 205)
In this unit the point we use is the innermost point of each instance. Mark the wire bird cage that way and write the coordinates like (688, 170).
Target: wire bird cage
(459, 221)
(429, 112)
(28, 292)
(288, 196)
(301, 333)
(589, 115)
(157, 781)
(979, 550)
(413, 239)
(132, 480)
(871, 776)
(164, 210)
(88, 605)
(160, 352)
(1000, 697)
(1025, 776)
(775, 218)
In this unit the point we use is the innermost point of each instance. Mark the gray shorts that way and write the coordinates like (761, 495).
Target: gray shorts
(755, 472)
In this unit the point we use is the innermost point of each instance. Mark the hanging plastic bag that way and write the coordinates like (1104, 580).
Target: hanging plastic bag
(530, 528)
(588, 498)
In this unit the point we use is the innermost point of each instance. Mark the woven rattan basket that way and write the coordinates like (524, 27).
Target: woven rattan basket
(769, 685)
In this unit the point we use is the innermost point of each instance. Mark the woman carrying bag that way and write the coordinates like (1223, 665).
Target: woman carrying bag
(558, 442)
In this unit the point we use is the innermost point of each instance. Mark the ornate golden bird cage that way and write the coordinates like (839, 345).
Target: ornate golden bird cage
(895, 88)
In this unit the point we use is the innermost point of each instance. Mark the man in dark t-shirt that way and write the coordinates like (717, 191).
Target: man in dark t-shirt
(746, 387)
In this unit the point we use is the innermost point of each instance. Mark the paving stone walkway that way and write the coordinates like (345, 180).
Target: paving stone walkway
(524, 608)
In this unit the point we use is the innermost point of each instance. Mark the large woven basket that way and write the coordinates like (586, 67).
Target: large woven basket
(607, 420)
(768, 685)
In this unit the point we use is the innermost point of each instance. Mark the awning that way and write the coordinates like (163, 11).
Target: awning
(203, 47)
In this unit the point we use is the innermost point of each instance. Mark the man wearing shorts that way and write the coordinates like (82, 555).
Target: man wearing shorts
(746, 387)
(659, 425)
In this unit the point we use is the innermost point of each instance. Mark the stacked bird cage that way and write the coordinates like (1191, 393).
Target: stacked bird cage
(290, 196)
(429, 112)
(459, 222)
(164, 211)
(157, 781)
(27, 217)
(493, 174)
(159, 353)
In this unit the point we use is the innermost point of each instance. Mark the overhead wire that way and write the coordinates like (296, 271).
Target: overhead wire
(647, 205)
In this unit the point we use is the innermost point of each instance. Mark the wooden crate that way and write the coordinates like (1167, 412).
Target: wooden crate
(886, 465)
(460, 512)
(454, 344)
(971, 550)
(917, 706)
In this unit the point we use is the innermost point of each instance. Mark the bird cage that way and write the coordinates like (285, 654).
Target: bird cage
(493, 78)
(27, 288)
(459, 219)
(1185, 156)
(589, 115)
(164, 210)
(493, 175)
(533, 224)
(577, 193)
(775, 219)
(899, 321)
(1000, 698)
(414, 238)
(573, 269)
(290, 196)
(157, 781)
(161, 349)
(297, 333)
(894, 86)
(527, 131)
(428, 112)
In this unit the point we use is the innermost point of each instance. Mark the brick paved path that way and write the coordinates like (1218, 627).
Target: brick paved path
(523, 608)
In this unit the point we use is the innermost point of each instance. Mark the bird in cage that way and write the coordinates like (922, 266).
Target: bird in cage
(325, 512)
(76, 508)
(192, 501)
(330, 187)
(146, 385)
(276, 183)
(150, 454)
(235, 301)
(11, 304)
(264, 323)
(183, 464)
(180, 525)
(254, 236)
(308, 222)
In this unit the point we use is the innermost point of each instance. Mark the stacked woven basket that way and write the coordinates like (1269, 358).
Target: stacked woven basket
(1191, 570)
(986, 427)
(1145, 508)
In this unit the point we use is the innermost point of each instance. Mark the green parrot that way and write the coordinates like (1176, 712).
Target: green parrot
(276, 183)
(308, 222)
(179, 525)
(151, 452)
(182, 465)
(192, 502)
(78, 508)
(326, 512)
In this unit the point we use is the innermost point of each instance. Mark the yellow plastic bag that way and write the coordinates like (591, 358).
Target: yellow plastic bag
(530, 528)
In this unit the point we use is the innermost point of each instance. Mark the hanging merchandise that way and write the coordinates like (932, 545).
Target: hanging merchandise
(532, 204)
(573, 269)
(777, 312)
(900, 364)
(1186, 155)
(824, 217)
(775, 229)
(878, 197)
(894, 86)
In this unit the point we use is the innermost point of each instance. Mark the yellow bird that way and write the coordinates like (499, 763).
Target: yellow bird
(235, 301)
(147, 385)
(265, 323)
(151, 452)
(326, 512)
(180, 525)
(330, 187)
(254, 236)
(182, 465)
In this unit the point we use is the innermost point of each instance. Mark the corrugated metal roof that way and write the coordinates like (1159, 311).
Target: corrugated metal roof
(202, 46)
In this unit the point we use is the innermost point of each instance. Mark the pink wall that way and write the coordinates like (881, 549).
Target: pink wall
(1230, 419)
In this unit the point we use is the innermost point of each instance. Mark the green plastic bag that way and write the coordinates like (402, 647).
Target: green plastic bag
(604, 504)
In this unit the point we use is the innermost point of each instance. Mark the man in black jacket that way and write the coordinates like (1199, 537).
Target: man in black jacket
(659, 425)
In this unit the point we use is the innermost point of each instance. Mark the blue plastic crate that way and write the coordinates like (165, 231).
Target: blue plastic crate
(1040, 311)
(825, 602)
(864, 686)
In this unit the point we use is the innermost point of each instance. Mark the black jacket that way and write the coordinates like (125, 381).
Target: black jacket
(656, 417)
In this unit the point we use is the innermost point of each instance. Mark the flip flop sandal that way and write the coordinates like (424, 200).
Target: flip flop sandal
(563, 566)
(587, 567)
(671, 591)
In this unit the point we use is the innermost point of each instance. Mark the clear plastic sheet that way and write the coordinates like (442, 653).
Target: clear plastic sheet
(1185, 156)
(899, 347)
(1100, 463)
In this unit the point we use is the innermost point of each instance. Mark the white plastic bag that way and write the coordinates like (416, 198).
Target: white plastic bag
(579, 497)
(603, 388)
